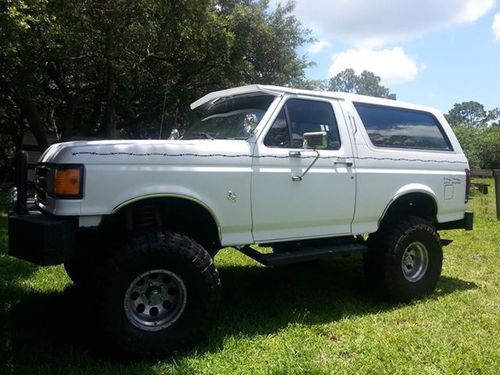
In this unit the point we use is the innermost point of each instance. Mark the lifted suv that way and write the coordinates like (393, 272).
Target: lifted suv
(311, 174)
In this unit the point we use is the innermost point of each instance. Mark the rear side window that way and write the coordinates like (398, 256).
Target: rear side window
(402, 128)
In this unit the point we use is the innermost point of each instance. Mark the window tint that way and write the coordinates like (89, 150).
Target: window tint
(233, 118)
(278, 135)
(300, 116)
(402, 128)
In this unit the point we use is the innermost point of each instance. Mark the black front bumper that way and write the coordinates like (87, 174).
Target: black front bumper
(42, 239)
(33, 236)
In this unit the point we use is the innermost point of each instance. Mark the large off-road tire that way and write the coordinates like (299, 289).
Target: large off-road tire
(155, 293)
(80, 269)
(405, 258)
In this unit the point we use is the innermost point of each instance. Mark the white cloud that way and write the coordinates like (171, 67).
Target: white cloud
(319, 46)
(371, 23)
(496, 27)
(393, 66)
(473, 10)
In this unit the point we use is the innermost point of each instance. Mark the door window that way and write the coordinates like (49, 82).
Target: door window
(299, 116)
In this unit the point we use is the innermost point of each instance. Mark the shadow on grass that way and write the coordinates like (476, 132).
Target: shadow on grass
(14, 269)
(260, 300)
(51, 331)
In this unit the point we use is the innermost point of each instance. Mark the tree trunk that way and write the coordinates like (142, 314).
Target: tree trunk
(69, 117)
(30, 113)
(109, 118)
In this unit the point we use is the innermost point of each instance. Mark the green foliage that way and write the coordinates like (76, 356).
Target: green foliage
(366, 83)
(481, 145)
(313, 318)
(469, 114)
(103, 68)
(477, 133)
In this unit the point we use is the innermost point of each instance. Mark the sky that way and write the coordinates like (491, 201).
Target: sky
(430, 52)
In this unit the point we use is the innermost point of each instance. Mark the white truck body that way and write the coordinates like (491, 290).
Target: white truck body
(247, 187)
(137, 224)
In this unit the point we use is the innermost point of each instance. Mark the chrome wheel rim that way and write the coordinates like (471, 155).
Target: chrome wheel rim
(415, 261)
(155, 300)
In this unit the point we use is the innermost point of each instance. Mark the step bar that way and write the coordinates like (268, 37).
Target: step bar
(304, 254)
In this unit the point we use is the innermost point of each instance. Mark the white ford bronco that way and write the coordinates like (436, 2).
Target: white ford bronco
(137, 223)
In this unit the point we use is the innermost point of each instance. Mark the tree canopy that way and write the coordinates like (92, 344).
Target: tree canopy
(118, 68)
(367, 83)
(478, 132)
(469, 114)
(111, 68)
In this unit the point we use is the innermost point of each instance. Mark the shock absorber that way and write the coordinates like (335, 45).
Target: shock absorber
(145, 218)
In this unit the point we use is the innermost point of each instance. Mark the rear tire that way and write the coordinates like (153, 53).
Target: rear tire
(156, 293)
(405, 259)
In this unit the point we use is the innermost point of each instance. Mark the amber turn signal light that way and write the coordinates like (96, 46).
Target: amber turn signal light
(67, 181)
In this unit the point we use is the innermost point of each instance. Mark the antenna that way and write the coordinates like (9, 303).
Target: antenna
(163, 112)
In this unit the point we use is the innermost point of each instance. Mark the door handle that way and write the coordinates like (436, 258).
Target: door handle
(294, 154)
(343, 162)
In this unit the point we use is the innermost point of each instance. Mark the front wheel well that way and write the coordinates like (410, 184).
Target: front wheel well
(176, 214)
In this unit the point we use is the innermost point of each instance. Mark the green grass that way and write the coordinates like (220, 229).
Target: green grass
(318, 318)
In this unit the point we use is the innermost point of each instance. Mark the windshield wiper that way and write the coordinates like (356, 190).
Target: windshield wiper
(207, 135)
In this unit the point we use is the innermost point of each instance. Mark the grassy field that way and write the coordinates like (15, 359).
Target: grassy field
(318, 318)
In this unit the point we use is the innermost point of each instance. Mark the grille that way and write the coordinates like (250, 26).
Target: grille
(41, 173)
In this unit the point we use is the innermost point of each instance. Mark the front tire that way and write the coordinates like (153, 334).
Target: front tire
(80, 269)
(156, 293)
(405, 259)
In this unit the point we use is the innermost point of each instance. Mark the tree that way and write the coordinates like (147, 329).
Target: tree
(367, 83)
(494, 116)
(470, 140)
(107, 68)
(470, 114)
(490, 148)
(478, 133)
(26, 32)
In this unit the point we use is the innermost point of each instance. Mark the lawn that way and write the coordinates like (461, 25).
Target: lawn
(318, 318)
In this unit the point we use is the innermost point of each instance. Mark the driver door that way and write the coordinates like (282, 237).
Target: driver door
(321, 203)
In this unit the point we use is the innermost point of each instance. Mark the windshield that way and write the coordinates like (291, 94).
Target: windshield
(234, 118)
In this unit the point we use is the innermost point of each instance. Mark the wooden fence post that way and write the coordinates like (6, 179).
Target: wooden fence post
(496, 176)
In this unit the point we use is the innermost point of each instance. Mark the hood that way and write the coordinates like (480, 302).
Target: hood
(142, 151)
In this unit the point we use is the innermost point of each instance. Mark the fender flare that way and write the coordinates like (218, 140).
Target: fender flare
(413, 188)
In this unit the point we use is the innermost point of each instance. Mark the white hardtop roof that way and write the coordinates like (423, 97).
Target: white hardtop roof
(279, 90)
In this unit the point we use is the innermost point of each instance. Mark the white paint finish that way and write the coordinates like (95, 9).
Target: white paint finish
(89, 221)
(63, 207)
(321, 204)
(387, 179)
(330, 200)
(112, 179)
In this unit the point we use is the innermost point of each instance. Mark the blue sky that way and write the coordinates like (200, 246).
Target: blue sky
(432, 52)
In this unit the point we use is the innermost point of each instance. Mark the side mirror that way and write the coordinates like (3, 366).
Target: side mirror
(174, 134)
(315, 140)
(250, 122)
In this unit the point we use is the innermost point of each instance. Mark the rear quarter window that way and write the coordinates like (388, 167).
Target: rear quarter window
(402, 128)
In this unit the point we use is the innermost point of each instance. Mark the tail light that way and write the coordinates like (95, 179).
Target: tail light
(467, 184)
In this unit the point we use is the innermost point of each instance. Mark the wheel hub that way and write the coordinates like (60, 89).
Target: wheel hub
(156, 295)
(415, 261)
(155, 300)
(409, 261)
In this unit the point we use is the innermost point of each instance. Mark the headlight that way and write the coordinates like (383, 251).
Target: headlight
(65, 181)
